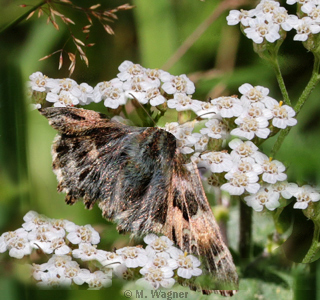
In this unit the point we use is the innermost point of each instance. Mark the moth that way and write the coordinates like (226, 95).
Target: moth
(141, 181)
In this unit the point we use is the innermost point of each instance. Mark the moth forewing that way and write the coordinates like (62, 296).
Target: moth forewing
(192, 226)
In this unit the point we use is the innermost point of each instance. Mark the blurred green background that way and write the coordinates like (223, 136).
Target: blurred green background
(216, 57)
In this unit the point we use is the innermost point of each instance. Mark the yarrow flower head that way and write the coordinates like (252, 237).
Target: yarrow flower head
(304, 195)
(263, 198)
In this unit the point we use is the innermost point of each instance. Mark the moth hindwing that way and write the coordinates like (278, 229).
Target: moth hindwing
(141, 181)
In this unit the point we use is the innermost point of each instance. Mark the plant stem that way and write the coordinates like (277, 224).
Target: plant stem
(315, 246)
(281, 83)
(245, 241)
(314, 80)
(21, 18)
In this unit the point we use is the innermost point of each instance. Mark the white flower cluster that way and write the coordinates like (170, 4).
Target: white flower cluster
(67, 241)
(268, 20)
(152, 86)
(235, 166)
(255, 114)
(244, 169)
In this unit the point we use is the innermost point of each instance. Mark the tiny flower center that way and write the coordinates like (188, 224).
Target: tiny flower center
(239, 179)
(303, 29)
(135, 70)
(270, 167)
(262, 198)
(159, 245)
(180, 84)
(255, 112)
(254, 95)
(154, 274)
(244, 167)
(249, 124)
(303, 197)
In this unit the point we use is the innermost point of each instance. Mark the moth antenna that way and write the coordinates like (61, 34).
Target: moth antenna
(196, 119)
(154, 123)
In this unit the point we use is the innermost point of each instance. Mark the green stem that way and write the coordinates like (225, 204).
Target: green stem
(314, 80)
(245, 240)
(281, 83)
(21, 18)
(315, 246)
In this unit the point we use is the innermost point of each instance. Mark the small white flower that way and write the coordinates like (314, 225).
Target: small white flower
(135, 88)
(177, 84)
(183, 102)
(66, 84)
(77, 275)
(304, 196)
(156, 244)
(114, 97)
(268, 6)
(247, 164)
(281, 17)
(63, 99)
(285, 189)
(257, 110)
(102, 90)
(86, 252)
(128, 70)
(242, 149)
(202, 143)
(33, 220)
(86, 93)
(217, 161)
(207, 111)
(37, 270)
(57, 263)
(156, 75)
(19, 247)
(38, 82)
(172, 127)
(272, 169)
(111, 259)
(251, 127)
(82, 234)
(228, 107)
(260, 30)
(59, 226)
(161, 260)
(154, 96)
(263, 198)
(59, 246)
(215, 129)
(282, 114)
(6, 238)
(243, 16)
(40, 238)
(155, 277)
(304, 28)
(252, 94)
(187, 264)
(52, 279)
(98, 280)
(312, 10)
(239, 182)
(133, 257)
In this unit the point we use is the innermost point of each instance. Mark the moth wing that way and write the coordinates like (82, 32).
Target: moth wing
(125, 169)
(192, 226)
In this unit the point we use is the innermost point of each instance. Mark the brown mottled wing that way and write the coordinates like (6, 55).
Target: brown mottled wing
(124, 168)
(192, 226)
(139, 180)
